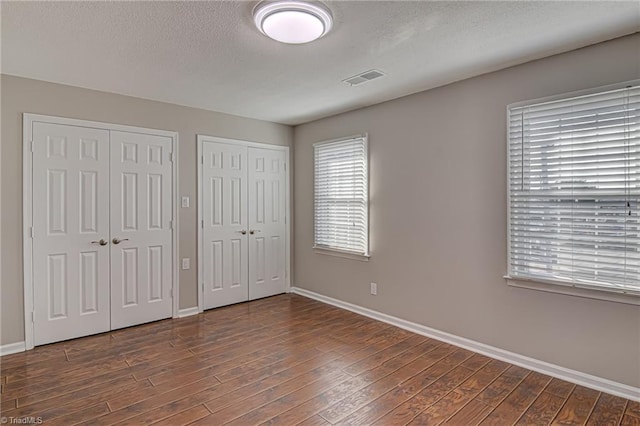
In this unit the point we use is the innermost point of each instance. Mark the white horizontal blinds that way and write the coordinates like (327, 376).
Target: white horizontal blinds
(574, 190)
(341, 195)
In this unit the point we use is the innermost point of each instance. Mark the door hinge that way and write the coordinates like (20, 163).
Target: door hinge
(31, 146)
(202, 223)
(33, 317)
(171, 224)
(31, 232)
(171, 293)
(171, 157)
(202, 160)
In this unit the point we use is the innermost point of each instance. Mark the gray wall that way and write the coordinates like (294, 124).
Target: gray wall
(21, 95)
(438, 218)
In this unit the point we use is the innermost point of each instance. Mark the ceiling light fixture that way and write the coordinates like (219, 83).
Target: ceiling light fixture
(292, 22)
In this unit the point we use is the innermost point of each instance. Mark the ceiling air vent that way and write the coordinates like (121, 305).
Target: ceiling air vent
(363, 77)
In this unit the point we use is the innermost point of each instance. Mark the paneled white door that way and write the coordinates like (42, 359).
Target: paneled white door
(243, 241)
(224, 228)
(70, 232)
(141, 236)
(267, 226)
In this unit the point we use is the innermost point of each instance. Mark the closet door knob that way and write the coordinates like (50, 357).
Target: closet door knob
(102, 242)
(243, 232)
(118, 241)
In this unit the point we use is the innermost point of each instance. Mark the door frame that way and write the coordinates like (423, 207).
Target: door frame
(28, 120)
(201, 139)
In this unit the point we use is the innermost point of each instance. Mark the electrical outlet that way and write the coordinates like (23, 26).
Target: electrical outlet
(374, 289)
(186, 263)
(185, 202)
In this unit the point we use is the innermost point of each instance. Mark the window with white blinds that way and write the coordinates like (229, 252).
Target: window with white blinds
(341, 197)
(574, 167)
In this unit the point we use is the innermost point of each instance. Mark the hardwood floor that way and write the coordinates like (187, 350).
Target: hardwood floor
(286, 360)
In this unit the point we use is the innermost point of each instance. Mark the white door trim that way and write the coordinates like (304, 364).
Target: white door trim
(205, 138)
(27, 205)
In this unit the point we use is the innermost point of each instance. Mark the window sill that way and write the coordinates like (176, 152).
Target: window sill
(612, 295)
(343, 254)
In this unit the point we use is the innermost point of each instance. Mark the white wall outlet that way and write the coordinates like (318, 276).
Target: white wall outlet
(186, 263)
(185, 202)
(374, 289)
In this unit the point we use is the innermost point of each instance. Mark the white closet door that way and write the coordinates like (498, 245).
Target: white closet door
(267, 235)
(70, 216)
(224, 227)
(141, 240)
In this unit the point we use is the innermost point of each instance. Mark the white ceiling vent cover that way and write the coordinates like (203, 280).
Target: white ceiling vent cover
(363, 77)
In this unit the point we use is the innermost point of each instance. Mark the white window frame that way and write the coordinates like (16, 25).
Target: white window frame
(550, 285)
(335, 251)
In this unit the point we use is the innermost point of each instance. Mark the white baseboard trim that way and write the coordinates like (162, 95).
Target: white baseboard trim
(573, 376)
(12, 348)
(187, 312)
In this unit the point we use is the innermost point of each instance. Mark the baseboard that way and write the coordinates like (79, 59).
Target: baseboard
(12, 348)
(187, 312)
(573, 376)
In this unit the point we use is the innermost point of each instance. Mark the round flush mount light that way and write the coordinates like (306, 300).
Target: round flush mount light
(292, 22)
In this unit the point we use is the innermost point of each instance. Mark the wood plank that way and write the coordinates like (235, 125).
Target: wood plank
(578, 407)
(456, 399)
(471, 414)
(314, 421)
(285, 360)
(629, 420)
(495, 393)
(227, 393)
(517, 402)
(185, 417)
(431, 370)
(242, 412)
(340, 392)
(560, 388)
(121, 383)
(543, 410)
(609, 410)
(79, 416)
(633, 409)
(422, 391)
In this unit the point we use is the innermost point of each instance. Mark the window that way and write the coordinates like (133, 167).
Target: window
(574, 168)
(341, 198)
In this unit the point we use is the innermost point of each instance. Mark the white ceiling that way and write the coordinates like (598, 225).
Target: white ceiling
(209, 55)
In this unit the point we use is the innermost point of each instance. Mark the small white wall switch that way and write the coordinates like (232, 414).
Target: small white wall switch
(185, 202)
(186, 263)
(374, 289)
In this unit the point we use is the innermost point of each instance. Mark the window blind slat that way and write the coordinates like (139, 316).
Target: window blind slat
(341, 195)
(574, 189)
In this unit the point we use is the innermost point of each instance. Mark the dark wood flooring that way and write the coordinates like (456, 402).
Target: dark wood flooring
(286, 360)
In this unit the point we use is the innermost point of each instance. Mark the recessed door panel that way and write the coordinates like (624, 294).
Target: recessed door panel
(70, 211)
(224, 227)
(267, 236)
(141, 236)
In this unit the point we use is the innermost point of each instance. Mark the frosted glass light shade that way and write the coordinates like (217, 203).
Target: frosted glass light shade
(292, 22)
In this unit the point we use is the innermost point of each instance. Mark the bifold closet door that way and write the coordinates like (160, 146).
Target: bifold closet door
(267, 226)
(70, 232)
(224, 224)
(141, 236)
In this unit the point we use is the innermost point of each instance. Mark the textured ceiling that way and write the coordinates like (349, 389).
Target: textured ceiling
(209, 55)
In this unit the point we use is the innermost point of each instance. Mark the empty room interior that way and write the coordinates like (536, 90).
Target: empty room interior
(351, 212)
